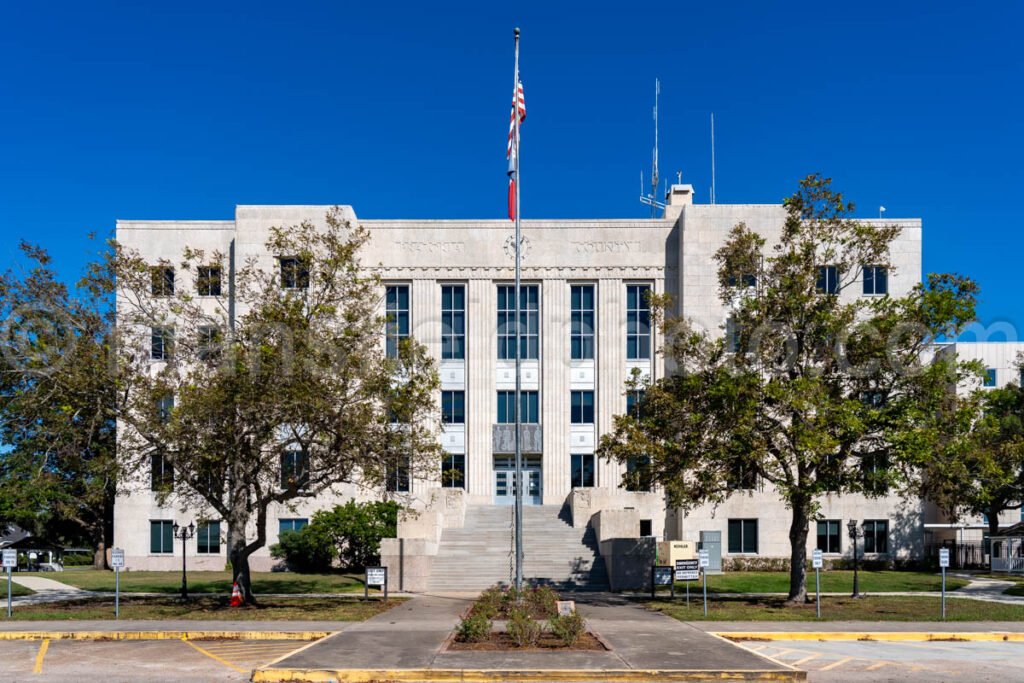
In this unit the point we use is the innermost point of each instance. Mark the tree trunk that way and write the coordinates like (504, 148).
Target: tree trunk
(238, 554)
(993, 519)
(798, 553)
(99, 558)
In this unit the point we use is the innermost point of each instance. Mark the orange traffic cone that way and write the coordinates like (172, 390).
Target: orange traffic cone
(236, 596)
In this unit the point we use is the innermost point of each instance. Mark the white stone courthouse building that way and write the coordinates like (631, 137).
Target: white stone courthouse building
(587, 330)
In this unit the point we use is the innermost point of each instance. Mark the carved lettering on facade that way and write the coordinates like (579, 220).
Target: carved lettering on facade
(614, 247)
(433, 247)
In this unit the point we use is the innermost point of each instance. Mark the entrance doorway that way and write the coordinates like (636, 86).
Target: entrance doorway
(505, 479)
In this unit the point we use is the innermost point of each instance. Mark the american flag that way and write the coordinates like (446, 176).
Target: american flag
(512, 153)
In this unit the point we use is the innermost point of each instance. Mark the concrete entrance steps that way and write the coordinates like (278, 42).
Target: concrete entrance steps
(554, 552)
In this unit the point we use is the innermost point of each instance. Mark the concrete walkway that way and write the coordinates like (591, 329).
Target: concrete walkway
(46, 590)
(412, 637)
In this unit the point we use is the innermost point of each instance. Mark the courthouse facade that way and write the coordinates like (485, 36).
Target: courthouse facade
(585, 285)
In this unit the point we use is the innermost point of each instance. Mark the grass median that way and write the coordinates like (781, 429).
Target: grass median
(210, 582)
(871, 608)
(16, 590)
(833, 581)
(209, 608)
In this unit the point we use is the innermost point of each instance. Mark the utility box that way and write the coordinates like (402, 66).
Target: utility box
(712, 542)
(670, 551)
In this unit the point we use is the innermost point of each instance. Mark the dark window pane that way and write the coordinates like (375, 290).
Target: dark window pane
(208, 280)
(161, 281)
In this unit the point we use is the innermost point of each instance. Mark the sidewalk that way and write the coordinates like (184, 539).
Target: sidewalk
(46, 590)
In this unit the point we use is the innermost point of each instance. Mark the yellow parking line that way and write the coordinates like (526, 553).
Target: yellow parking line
(877, 665)
(43, 647)
(836, 663)
(214, 657)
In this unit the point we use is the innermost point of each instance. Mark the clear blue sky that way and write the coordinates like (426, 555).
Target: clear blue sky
(175, 111)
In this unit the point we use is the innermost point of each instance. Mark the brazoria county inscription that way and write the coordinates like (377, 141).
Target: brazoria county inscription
(433, 247)
(606, 247)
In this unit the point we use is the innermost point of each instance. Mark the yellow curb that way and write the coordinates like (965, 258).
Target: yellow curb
(886, 636)
(163, 635)
(268, 675)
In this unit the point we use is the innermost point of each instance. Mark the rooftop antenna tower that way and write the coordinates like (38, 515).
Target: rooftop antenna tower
(712, 157)
(651, 199)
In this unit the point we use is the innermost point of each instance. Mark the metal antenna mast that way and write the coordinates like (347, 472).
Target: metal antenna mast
(651, 199)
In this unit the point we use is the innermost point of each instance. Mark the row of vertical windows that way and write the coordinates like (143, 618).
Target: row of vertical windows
(453, 407)
(581, 322)
(397, 307)
(207, 346)
(453, 322)
(208, 280)
(638, 322)
(528, 326)
(530, 406)
(875, 279)
(743, 536)
(161, 537)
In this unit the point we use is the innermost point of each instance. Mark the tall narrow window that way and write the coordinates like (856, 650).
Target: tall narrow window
(990, 377)
(294, 273)
(161, 536)
(581, 324)
(208, 280)
(161, 343)
(828, 279)
(453, 471)
(209, 342)
(161, 281)
(876, 280)
(741, 476)
(529, 319)
(453, 407)
(582, 407)
(742, 535)
(876, 535)
(397, 304)
(397, 479)
(638, 474)
(829, 536)
(294, 470)
(733, 335)
(161, 476)
(164, 406)
(530, 402)
(638, 322)
(582, 469)
(208, 538)
(634, 402)
(453, 322)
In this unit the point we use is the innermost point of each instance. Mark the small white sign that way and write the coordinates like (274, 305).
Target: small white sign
(117, 558)
(816, 560)
(566, 608)
(704, 558)
(376, 576)
(687, 570)
(10, 558)
(944, 558)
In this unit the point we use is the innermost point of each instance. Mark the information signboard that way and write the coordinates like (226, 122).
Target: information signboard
(376, 576)
(663, 576)
(687, 570)
(704, 557)
(944, 557)
(816, 560)
(10, 558)
(117, 558)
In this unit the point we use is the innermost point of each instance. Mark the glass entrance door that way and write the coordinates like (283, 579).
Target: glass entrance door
(505, 476)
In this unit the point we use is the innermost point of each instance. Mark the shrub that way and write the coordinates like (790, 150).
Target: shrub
(567, 629)
(474, 628)
(304, 550)
(356, 529)
(491, 603)
(522, 628)
(542, 602)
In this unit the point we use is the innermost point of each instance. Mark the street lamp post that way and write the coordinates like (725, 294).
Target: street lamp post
(855, 533)
(184, 533)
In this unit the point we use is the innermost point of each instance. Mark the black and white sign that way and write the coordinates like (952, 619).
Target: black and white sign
(704, 557)
(663, 576)
(687, 570)
(376, 576)
(117, 558)
(10, 558)
(943, 557)
(816, 560)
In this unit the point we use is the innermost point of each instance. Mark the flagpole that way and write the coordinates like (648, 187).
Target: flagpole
(518, 402)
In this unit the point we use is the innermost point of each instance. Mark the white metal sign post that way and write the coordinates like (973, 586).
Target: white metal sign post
(10, 562)
(817, 562)
(944, 563)
(704, 560)
(117, 564)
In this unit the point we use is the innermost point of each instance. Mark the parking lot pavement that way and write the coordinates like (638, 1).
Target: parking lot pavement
(159, 661)
(903, 662)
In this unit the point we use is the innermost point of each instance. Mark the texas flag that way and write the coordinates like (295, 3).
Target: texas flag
(518, 104)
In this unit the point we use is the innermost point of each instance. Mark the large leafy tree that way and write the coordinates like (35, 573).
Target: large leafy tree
(979, 467)
(808, 390)
(279, 395)
(58, 471)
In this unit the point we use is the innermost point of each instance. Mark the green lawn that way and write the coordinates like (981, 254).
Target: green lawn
(210, 582)
(834, 581)
(206, 608)
(1015, 590)
(872, 608)
(16, 590)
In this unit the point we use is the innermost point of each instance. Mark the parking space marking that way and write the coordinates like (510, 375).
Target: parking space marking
(805, 660)
(836, 664)
(43, 647)
(876, 666)
(214, 657)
